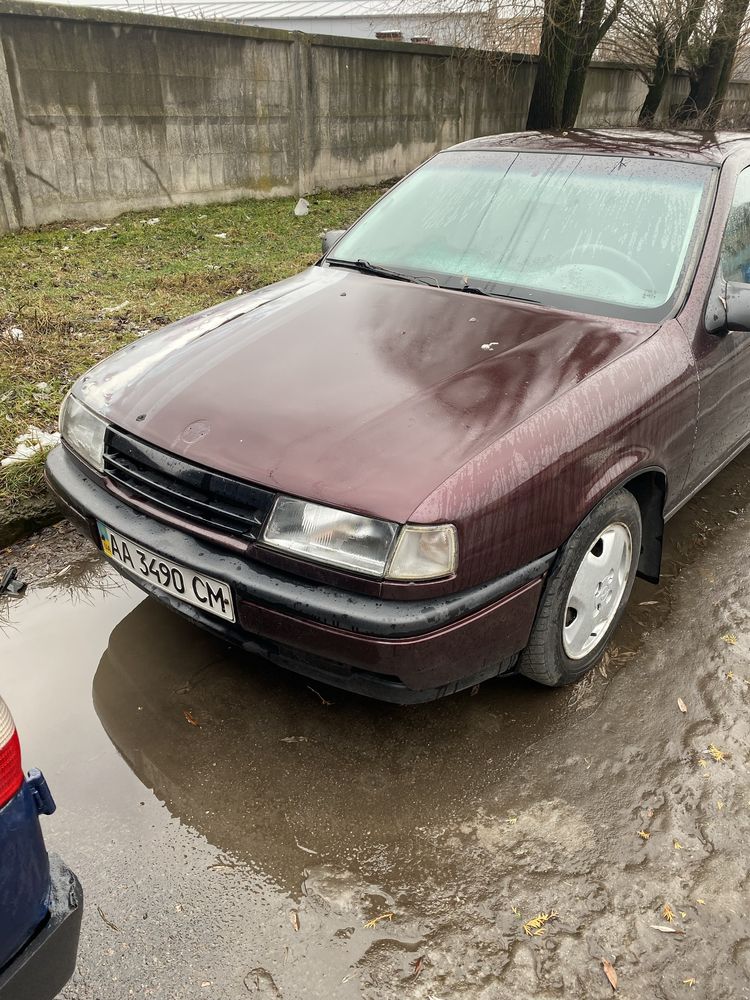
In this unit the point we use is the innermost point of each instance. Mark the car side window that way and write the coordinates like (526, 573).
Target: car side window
(735, 247)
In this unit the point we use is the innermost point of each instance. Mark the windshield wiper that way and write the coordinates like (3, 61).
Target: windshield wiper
(365, 267)
(473, 290)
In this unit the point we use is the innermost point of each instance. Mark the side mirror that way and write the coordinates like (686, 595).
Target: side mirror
(738, 306)
(331, 238)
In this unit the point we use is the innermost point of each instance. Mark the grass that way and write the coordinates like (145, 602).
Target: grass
(23, 481)
(77, 295)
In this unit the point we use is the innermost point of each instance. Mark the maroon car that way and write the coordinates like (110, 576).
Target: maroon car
(443, 452)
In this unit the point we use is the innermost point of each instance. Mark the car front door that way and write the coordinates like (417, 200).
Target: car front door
(722, 357)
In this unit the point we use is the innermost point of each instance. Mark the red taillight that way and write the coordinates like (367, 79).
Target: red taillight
(11, 772)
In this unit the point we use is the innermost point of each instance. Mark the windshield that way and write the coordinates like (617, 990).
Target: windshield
(604, 234)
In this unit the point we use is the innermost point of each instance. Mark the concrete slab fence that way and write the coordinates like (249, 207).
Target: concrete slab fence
(102, 112)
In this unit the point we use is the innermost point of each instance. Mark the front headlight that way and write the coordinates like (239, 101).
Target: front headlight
(83, 431)
(348, 541)
(361, 544)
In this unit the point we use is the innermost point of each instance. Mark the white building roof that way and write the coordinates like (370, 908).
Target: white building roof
(252, 10)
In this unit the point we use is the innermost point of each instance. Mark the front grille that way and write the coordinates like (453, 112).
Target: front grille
(183, 490)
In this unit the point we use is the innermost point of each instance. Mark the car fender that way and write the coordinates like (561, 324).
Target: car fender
(527, 492)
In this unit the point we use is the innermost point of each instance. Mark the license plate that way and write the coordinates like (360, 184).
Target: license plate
(201, 591)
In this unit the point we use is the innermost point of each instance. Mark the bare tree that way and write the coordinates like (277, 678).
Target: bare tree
(564, 34)
(596, 20)
(711, 61)
(652, 36)
(571, 31)
(658, 38)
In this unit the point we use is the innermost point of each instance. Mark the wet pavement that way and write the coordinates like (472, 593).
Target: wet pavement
(236, 829)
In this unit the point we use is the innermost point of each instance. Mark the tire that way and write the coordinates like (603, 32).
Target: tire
(574, 625)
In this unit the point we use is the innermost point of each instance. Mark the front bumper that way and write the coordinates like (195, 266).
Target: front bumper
(400, 651)
(41, 969)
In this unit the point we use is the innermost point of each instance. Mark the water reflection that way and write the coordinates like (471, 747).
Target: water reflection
(253, 758)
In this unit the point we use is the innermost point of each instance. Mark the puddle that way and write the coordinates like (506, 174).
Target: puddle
(207, 727)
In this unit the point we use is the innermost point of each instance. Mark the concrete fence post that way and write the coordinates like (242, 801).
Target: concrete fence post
(303, 125)
(15, 203)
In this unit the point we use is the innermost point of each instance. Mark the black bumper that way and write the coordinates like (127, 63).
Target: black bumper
(346, 619)
(85, 501)
(41, 969)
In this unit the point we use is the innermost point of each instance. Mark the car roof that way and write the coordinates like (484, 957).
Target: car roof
(695, 147)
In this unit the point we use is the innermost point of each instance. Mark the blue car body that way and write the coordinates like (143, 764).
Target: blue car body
(40, 901)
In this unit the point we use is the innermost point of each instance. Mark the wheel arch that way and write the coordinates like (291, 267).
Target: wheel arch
(649, 487)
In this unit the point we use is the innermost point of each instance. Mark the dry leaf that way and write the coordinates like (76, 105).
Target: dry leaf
(681, 705)
(702, 763)
(294, 919)
(535, 926)
(683, 913)
(667, 913)
(677, 845)
(689, 982)
(189, 717)
(666, 930)
(644, 834)
(729, 675)
(609, 972)
(376, 920)
(701, 902)
(730, 639)
(718, 755)
(516, 911)
(417, 965)
(719, 804)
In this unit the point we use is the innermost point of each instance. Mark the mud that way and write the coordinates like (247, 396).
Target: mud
(234, 832)
(56, 552)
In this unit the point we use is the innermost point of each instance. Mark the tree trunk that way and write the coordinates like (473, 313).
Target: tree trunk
(660, 78)
(592, 28)
(708, 77)
(717, 105)
(574, 89)
(686, 109)
(709, 86)
(553, 68)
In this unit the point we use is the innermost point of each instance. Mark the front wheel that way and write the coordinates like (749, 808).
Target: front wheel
(585, 594)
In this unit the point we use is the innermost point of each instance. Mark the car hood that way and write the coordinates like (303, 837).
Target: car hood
(357, 391)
